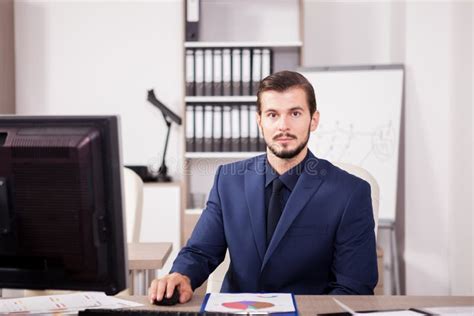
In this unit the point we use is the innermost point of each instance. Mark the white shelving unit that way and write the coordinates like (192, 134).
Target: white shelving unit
(218, 31)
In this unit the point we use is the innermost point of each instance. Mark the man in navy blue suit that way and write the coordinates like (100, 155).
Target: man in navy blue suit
(291, 222)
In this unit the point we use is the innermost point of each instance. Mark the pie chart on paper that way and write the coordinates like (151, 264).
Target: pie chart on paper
(247, 305)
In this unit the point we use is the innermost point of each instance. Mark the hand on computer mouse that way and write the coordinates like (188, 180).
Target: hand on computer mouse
(165, 301)
(171, 285)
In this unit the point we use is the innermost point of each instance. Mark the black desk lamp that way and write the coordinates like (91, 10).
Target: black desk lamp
(169, 117)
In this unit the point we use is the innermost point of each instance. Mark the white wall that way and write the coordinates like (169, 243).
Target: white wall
(101, 57)
(348, 32)
(434, 41)
(249, 20)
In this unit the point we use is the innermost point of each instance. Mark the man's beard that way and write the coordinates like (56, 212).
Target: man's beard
(282, 153)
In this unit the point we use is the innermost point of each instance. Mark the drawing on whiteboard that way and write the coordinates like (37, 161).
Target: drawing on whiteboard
(348, 142)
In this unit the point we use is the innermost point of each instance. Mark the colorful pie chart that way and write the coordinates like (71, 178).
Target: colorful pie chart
(244, 305)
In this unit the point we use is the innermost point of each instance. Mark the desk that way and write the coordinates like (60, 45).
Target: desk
(143, 260)
(312, 304)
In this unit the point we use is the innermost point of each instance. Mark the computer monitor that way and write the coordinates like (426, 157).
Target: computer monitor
(61, 221)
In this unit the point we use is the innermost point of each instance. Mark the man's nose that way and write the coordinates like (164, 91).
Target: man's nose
(283, 123)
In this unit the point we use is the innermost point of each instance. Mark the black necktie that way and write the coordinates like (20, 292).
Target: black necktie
(275, 208)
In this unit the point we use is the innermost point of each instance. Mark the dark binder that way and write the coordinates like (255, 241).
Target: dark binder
(226, 72)
(254, 134)
(217, 130)
(208, 72)
(190, 128)
(245, 128)
(236, 61)
(192, 20)
(246, 71)
(236, 126)
(256, 70)
(199, 124)
(227, 128)
(190, 73)
(217, 78)
(208, 128)
(199, 72)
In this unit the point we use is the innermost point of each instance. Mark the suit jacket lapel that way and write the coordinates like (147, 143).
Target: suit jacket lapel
(307, 185)
(255, 196)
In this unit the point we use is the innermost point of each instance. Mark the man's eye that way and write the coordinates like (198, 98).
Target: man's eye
(296, 114)
(271, 115)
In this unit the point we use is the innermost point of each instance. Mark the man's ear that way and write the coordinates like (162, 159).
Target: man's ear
(314, 121)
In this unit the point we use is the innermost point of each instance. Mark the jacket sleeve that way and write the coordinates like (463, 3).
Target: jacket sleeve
(206, 248)
(354, 268)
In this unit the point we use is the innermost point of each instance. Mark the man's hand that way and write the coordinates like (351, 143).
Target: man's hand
(166, 285)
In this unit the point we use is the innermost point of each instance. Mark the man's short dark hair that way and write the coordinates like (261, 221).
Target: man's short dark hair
(284, 80)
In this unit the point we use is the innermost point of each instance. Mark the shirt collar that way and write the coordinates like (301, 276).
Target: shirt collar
(289, 178)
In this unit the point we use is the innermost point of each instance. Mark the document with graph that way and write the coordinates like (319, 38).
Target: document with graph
(258, 303)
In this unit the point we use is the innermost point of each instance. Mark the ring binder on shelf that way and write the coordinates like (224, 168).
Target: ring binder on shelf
(218, 69)
(208, 72)
(190, 129)
(246, 72)
(236, 128)
(266, 63)
(227, 132)
(217, 137)
(226, 72)
(256, 70)
(236, 72)
(192, 20)
(244, 128)
(199, 72)
(199, 123)
(190, 77)
(254, 135)
(208, 128)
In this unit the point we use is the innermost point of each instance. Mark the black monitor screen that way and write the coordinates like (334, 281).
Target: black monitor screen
(61, 223)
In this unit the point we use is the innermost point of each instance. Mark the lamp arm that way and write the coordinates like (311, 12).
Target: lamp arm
(163, 163)
(163, 171)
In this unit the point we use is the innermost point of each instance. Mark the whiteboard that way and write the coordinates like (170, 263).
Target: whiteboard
(360, 112)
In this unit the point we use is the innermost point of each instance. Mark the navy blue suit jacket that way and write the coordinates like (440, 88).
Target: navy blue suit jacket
(324, 242)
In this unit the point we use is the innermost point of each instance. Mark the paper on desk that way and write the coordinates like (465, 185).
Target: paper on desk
(380, 313)
(250, 303)
(450, 310)
(63, 303)
(391, 313)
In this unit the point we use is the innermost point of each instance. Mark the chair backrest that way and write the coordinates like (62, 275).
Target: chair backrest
(216, 278)
(374, 187)
(133, 197)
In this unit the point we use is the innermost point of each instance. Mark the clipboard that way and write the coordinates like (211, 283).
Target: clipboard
(256, 312)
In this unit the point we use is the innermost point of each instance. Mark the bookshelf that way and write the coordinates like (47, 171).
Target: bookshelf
(257, 31)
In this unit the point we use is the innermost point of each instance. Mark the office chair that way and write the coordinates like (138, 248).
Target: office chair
(133, 198)
(374, 186)
(216, 278)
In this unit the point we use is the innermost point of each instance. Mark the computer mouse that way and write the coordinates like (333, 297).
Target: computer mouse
(173, 300)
